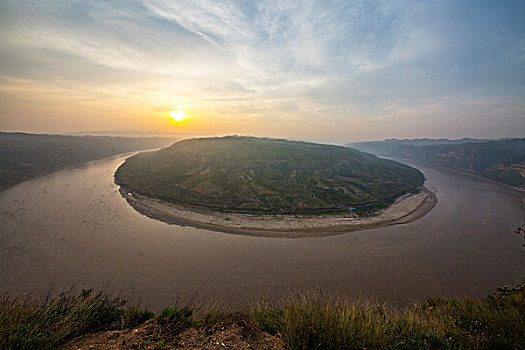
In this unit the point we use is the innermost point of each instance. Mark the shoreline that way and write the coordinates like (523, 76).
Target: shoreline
(406, 209)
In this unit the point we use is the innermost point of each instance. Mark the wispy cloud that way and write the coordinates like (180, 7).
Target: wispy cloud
(336, 63)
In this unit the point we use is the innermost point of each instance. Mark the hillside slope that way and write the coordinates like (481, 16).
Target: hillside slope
(247, 174)
(23, 156)
(502, 160)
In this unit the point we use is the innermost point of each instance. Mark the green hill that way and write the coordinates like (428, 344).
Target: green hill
(500, 160)
(256, 175)
(23, 156)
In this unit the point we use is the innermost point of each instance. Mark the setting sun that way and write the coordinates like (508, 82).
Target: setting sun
(178, 116)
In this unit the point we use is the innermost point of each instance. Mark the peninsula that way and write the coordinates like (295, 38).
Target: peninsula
(272, 187)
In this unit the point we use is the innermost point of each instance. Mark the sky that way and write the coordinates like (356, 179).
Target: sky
(334, 71)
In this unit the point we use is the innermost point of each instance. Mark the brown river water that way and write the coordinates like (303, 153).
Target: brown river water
(73, 229)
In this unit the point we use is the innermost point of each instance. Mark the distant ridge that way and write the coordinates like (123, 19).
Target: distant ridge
(502, 160)
(380, 145)
(23, 155)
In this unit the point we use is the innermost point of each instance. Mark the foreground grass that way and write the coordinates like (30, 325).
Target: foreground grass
(311, 321)
(317, 322)
(44, 324)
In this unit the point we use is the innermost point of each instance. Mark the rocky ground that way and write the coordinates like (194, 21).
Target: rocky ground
(151, 335)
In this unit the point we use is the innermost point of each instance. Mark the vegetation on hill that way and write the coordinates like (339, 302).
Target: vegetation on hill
(502, 160)
(311, 321)
(256, 175)
(23, 156)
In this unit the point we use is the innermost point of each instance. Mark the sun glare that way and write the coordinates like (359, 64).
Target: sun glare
(178, 116)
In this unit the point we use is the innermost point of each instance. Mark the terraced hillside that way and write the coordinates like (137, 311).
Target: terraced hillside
(255, 175)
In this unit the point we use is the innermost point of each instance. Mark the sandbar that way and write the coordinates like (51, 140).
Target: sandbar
(405, 209)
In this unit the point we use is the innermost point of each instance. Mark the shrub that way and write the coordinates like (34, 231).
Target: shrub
(134, 316)
(173, 321)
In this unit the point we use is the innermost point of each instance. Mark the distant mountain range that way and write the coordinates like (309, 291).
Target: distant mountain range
(501, 160)
(23, 156)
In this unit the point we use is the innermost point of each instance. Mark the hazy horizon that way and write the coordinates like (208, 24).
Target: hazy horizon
(178, 137)
(321, 71)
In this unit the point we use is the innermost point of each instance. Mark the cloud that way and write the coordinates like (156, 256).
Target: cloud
(305, 60)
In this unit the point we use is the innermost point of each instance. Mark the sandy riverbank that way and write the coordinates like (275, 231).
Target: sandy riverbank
(406, 209)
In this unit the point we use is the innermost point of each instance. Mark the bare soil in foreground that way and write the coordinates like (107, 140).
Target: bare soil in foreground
(220, 336)
(405, 209)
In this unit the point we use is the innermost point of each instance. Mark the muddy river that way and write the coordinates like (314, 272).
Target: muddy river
(73, 229)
